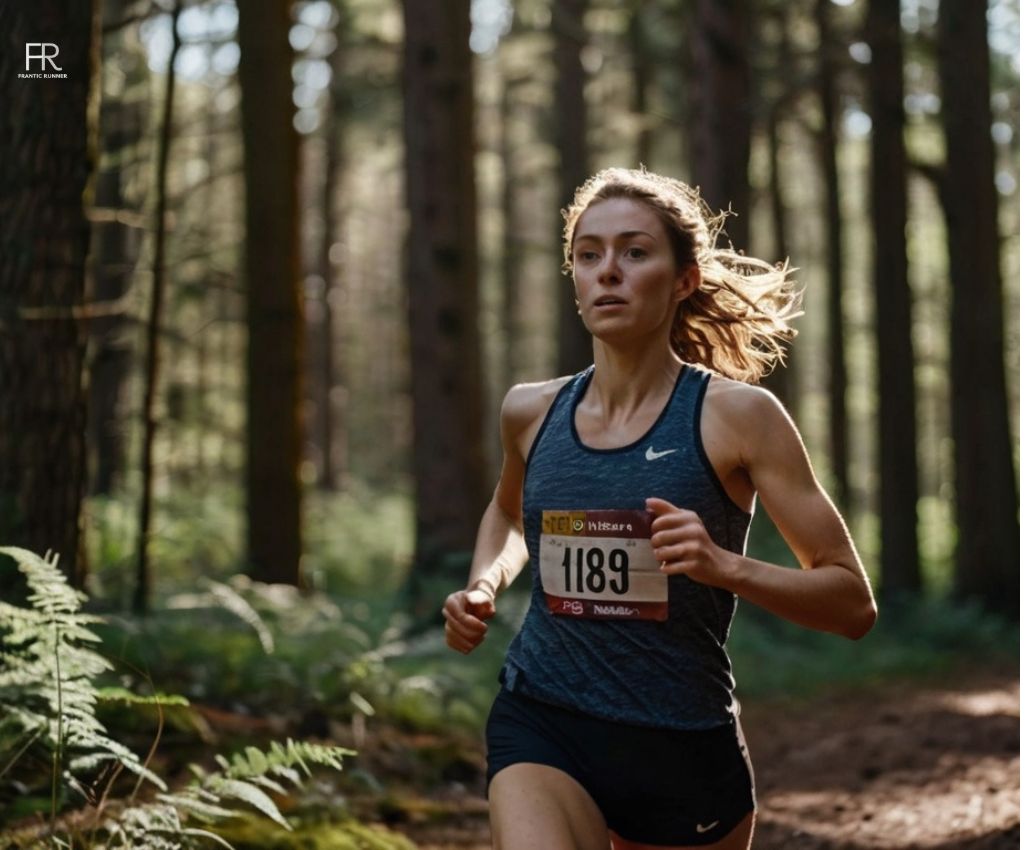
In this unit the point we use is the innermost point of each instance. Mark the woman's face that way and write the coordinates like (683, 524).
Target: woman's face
(625, 274)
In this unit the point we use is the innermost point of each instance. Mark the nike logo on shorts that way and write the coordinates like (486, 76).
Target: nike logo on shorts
(700, 828)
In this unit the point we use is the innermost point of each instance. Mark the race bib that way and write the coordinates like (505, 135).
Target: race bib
(600, 565)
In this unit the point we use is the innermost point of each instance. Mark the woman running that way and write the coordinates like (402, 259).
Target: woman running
(630, 489)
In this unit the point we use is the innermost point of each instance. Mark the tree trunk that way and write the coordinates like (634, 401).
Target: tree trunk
(721, 128)
(46, 160)
(512, 246)
(330, 384)
(782, 381)
(987, 552)
(897, 467)
(151, 379)
(826, 85)
(641, 67)
(115, 255)
(273, 310)
(574, 350)
(442, 271)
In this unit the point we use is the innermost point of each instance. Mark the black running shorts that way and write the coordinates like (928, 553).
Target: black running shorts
(654, 786)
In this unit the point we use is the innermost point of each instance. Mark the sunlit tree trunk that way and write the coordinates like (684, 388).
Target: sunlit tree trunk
(721, 91)
(897, 468)
(986, 498)
(571, 122)
(273, 317)
(331, 428)
(641, 67)
(512, 248)
(442, 272)
(47, 137)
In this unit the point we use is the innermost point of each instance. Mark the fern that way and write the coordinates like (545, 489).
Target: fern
(48, 697)
(47, 670)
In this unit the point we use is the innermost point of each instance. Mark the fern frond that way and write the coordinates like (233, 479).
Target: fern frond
(249, 793)
(126, 697)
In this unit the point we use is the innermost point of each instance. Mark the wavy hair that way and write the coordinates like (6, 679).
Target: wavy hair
(738, 319)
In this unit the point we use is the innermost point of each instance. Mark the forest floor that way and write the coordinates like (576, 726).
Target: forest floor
(902, 766)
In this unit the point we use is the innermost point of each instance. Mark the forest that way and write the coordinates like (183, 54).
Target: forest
(267, 270)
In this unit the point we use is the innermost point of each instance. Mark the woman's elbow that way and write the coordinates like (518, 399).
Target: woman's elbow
(861, 621)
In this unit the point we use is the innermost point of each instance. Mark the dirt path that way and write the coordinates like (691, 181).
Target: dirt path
(909, 767)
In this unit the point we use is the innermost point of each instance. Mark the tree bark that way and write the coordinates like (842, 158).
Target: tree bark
(641, 77)
(512, 248)
(826, 86)
(897, 467)
(116, 253)
(986, 498)
(332, 427)
(721, 129)
(574, 351)
(273, 310)
(143, 583)
(783, 380)
(47, 142)
(442, 270)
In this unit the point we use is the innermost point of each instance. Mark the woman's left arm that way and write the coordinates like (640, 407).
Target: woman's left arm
(831, 592)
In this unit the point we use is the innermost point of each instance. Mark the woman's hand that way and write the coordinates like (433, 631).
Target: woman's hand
(683, 546)
(465, 612)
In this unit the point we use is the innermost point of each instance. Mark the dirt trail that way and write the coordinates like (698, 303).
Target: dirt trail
(906, 767)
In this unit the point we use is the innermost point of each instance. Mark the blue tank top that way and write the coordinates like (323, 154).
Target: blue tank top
(658, 658)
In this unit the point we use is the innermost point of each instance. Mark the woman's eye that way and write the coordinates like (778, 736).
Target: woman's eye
(586, 255)
(636, 253)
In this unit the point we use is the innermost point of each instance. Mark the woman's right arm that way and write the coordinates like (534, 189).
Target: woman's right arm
(500, 552)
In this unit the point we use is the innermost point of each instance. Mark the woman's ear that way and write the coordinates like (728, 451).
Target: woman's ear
(687, 282)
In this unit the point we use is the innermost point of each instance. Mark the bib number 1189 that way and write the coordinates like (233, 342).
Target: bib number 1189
(585, 569)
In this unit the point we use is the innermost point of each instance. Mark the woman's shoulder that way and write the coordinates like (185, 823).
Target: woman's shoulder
(525, 404)
(745, 407)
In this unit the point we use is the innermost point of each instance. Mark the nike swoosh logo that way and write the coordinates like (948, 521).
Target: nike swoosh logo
(699, 828)
(652, 454)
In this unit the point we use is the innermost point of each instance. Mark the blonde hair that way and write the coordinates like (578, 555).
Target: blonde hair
(737, 320)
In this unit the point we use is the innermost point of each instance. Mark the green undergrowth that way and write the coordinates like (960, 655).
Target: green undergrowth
(913, 638)
(70, 780)
(251, 834)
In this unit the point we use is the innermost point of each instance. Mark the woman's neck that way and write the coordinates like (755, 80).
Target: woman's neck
(627, 380)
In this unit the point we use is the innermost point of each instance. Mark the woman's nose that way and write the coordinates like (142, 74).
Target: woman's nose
(609, 270)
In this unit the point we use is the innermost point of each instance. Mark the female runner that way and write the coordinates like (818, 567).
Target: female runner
(630, 487)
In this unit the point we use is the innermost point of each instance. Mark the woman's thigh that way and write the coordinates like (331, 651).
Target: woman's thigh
(739, 838)
(537, 806)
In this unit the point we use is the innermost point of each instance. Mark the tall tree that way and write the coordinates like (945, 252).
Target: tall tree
(47, 126)
(330, 427)
(782, 381)
(141, 594)
(641, 78)
(116, 234)
(721, 109)
(897, 468)
(987, 552)
(571, 123)
(273, 298)
(826, 89)
(512, 247)
(441, 271)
